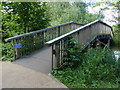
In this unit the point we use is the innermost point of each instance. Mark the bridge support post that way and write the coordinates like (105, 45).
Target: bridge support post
(108, 43)
(53, 52)
(55, 56)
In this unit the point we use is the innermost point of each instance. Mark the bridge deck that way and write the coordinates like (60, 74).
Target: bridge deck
(39, 61)
(30, 72)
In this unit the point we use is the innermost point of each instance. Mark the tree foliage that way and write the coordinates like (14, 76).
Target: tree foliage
(23, 17)
(62, 12)
(98, 69)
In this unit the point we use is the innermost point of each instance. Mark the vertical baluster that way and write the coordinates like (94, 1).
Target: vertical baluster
(65, 29)
(30, 46)
(57, 54)
(32, 40)
(36, 41)
(70, 26)
(43, 38)
(27, 44)
(61, 30)
(55, 34)
(78, 33)
(47, 36)
(52, 34)
(52, 56)
(39, 40)
(20, 39)
(58, 31)
(22, 42)
(61, 52)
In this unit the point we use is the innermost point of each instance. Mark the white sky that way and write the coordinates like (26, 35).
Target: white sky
(94, 1)
(109, 13)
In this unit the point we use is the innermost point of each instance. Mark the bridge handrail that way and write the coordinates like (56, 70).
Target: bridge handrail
(74, 31)
(38, 31)
(82, 35)
(27, 43)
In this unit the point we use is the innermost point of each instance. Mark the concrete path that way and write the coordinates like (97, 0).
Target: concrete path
(29, 72)
(16, 76)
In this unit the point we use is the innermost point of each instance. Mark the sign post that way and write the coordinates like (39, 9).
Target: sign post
(17, 49)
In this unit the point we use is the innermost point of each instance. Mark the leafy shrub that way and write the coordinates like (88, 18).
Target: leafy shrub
(71, 55)
(97, 70)
(7, 52)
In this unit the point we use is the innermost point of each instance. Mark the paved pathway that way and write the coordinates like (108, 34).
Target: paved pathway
(30, 72)
(39, 61)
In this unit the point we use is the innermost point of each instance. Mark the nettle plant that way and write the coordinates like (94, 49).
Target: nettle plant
(71, 53)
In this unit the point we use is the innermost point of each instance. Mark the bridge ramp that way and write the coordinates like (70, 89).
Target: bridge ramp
(17, 76)
(39, 61)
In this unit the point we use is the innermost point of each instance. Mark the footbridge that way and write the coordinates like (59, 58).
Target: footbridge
(51, 41)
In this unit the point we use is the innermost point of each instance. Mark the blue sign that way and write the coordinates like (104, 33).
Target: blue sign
(17, 45)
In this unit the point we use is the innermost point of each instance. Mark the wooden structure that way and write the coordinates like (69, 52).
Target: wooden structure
(103, 39)
(55, 37)
(35, 40)
(83, 35)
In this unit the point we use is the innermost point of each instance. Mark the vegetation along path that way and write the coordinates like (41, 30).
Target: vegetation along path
(30, 72)
(27, 71)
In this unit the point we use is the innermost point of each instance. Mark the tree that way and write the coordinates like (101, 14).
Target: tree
(62, 12)
(23, 17)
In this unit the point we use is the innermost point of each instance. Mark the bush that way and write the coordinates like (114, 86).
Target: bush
(97, 70)
(7, 52)
(72, 55)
